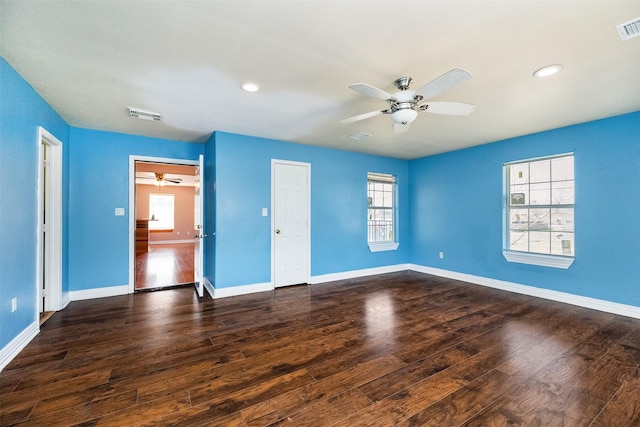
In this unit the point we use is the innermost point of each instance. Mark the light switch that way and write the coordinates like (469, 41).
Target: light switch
(119, 211)
(265, 212)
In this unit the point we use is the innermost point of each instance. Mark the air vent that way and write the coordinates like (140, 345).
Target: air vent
(629, 30)
(360, 136)
(138, 113)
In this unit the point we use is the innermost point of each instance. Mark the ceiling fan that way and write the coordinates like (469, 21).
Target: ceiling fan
(405, 104)
(160, 179)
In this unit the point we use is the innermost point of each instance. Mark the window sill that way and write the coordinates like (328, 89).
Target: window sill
(380, 247)
(553, 261)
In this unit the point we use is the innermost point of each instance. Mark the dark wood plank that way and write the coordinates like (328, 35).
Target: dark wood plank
(397, 349)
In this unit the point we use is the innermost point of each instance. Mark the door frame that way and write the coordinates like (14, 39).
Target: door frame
(132, 205)
(273, 243)
(49, 250)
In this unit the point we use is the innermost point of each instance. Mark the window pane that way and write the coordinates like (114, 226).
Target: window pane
(562, 168)
(161, 211)
(539, 219)
(539, 242)
(519, 195)
(388, 199)
(519, 173)
(519, 241)
(540, 194)
(562, 219)
(519, 219)
(540, 171)
(562, 244)
(562, 193)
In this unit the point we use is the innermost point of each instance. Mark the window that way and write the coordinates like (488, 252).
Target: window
(381, 212)
(540, 210)
(161, 211)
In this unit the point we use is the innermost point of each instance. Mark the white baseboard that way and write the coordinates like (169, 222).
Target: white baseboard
(16, 345)
(241, 290)
(209, 287)
(169, 242)
(332, 277)
(581, 301)
(109, 291)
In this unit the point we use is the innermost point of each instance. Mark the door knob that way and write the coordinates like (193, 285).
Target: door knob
(277, 231)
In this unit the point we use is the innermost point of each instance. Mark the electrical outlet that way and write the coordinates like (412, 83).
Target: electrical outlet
(441, 255)
(14, 304)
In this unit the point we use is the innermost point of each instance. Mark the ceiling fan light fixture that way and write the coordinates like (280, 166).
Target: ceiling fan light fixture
(547, 71)
(404, 116)
(250, 87)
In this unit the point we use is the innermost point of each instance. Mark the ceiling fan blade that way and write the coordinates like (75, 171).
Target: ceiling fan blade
(445, 82)
(362, 116)
(174, 180)
(369, 90)
(450, 108)
(399, 128)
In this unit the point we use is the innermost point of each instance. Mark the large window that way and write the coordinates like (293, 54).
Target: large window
(161, 211)
(381, 212)
(540, 210)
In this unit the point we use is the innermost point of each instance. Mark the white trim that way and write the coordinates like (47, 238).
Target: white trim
(352, 274)
(15, 346)
(170, 242)
(52, 247)
(538, 259)
(208, 286)
(273, 243)
(132, 206)
(581, 301)
(233, 291)
(381, 247)
(108, 291)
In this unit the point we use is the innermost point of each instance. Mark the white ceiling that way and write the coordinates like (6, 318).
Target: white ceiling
(186, 59)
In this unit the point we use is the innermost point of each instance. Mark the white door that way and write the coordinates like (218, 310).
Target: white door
(49, 238)
(291, 231)
(199, 233)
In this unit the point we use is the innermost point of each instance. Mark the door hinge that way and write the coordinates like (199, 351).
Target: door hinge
(45, 163)
(45, 293)
(45, 228)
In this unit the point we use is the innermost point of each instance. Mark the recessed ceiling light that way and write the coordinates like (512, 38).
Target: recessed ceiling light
(250, 87)
(547, 71)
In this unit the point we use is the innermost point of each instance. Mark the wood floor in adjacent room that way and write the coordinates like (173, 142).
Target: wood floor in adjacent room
(164, 265)
(399, 349)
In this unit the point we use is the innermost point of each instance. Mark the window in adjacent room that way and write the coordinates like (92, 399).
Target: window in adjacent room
(161, 211)
(381, 212)
(540, 211)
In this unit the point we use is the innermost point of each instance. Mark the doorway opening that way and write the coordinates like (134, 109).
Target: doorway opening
(49, 235)
(163, 222)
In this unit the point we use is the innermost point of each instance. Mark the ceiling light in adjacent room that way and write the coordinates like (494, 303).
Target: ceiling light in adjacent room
(547, 71)
(250, 87)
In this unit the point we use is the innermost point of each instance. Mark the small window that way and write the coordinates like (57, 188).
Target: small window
(540, 211)
(161, 211)
(381, 212)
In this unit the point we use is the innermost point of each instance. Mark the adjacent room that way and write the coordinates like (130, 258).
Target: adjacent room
(322, 212)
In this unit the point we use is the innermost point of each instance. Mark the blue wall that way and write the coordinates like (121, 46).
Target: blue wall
(450, 203)
(457, 208)
(338, 208)
(22, 110)
(99, 183)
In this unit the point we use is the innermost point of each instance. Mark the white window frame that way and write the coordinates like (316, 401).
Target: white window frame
(533, 258)
(155, 224)
(384, 245)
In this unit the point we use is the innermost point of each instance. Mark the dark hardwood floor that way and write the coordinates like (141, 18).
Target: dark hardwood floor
(164, 265)
(399, 349)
